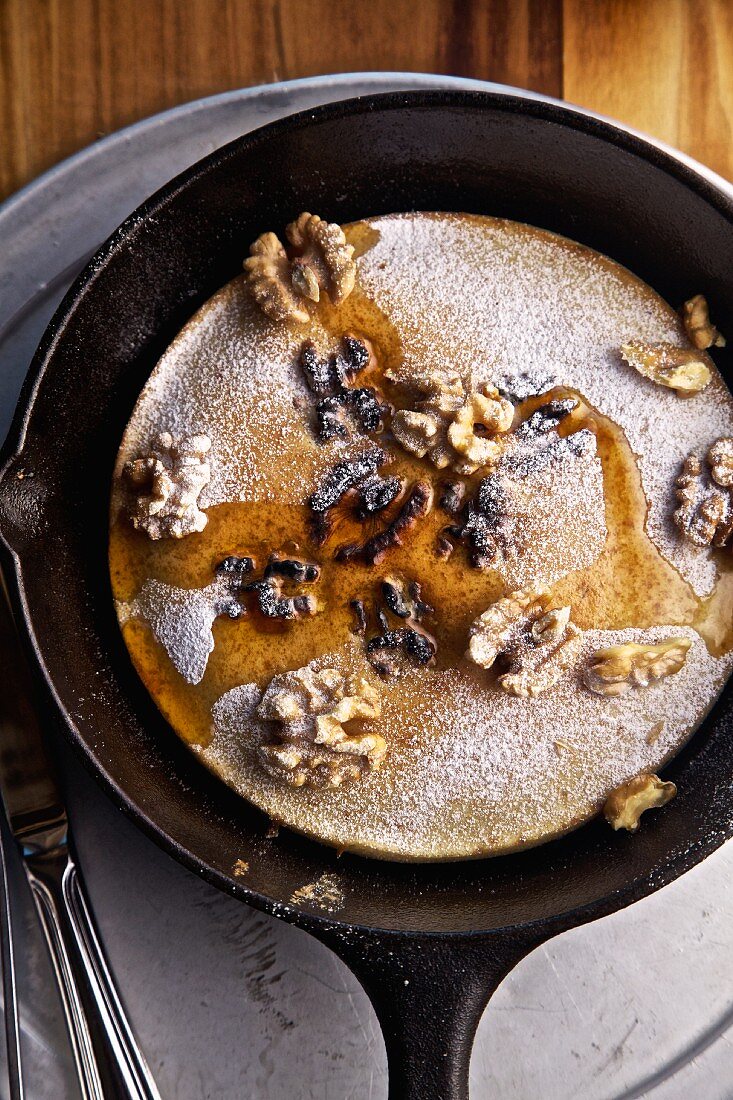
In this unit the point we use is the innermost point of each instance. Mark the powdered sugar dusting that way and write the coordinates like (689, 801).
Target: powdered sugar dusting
(476, 769)
(519, 305)
(181, 620)
(325, 893)
(234, 375)
(554, 512)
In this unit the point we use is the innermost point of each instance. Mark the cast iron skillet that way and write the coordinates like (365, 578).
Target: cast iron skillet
(429, 943)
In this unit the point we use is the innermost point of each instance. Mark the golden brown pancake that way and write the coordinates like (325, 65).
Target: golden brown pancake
(470, 770)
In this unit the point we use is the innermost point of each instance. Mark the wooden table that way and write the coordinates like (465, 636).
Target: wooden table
(73, 70)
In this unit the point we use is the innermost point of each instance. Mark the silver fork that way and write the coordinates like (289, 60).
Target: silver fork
(108, 1060)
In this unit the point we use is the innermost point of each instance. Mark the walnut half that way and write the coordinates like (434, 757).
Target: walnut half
(313, 748)
(625, 805)
(700, 330)
(535, 644)
(705, 498)
(720, 461)
(621, 668)
(679, 369)
(167, 483)
(321, 260)
(448, 425)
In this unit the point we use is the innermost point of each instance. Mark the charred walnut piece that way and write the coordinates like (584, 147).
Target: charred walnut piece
(341, 410)
(417, 504)
(355, 479)
(331, 375)
(395, 649)
(404, 598)
(375, 494)
(267, 591)
(546, 418)
(360, 616)
(531, 448)
(451, 496)
(353, 411)
(484, 529)
(344, 476)
(233, 571)
(519, 386)
(385, 651)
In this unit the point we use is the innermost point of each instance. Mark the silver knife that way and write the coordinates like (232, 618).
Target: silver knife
(108, 1060)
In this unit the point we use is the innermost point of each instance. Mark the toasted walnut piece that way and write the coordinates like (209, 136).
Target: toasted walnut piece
(323, 262)
(313, 747)
(625, 805)
(554, 650)
(705, 511)
(498, 629)
(449, 426)
(440, 390)
(621, 668)
(550, 628)
(167, 483)
(489, 413)
(538, 645)
(417, 432)
(326, 261)
(268, 278)
(720, 461)
(677, 368)
(696, 319)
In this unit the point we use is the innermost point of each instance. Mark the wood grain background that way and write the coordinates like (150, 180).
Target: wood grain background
(73, 70)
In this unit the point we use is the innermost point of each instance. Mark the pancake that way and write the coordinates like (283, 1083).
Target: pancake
(469, 770)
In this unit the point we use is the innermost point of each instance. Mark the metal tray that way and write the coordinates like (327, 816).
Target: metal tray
(229, 1002)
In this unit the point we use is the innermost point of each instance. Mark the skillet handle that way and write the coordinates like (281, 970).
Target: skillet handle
(429, 993)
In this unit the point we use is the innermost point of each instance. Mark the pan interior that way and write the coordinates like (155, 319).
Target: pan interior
(537, 164)
(470, 770)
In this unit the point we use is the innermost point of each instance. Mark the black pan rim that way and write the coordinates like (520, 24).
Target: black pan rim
(611, 132)
(553, 112)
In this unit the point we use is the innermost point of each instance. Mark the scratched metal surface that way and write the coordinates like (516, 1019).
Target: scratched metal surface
(229, 1002)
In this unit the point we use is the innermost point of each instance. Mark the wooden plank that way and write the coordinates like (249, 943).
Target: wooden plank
(662, 66)
(71, 70)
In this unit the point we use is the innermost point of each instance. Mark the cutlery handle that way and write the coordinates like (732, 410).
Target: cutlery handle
(108, 1058)
(7, 953)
